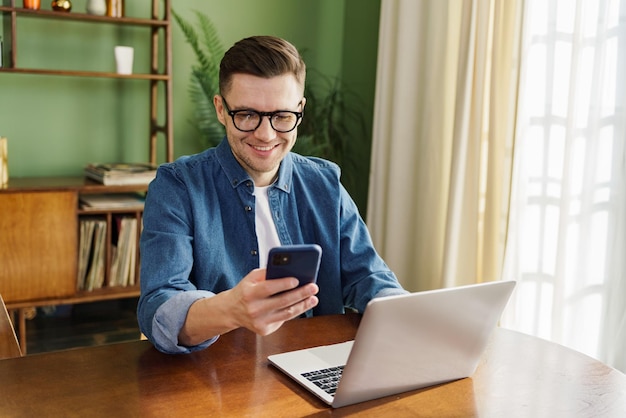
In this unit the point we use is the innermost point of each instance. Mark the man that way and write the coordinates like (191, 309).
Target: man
(211, 218)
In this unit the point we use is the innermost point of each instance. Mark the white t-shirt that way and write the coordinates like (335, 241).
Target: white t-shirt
(267, 236)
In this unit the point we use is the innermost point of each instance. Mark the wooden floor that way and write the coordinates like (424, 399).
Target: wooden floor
(72, 326)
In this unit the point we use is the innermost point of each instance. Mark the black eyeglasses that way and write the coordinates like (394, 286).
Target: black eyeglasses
(248, 120)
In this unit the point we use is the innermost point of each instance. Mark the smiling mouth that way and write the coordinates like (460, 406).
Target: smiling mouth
(264, 148)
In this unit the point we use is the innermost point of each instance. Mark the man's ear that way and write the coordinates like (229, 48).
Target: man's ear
(302, 103)
(219, 108)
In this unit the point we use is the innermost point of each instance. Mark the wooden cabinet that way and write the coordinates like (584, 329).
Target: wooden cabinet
(37, 244)
(40, 217)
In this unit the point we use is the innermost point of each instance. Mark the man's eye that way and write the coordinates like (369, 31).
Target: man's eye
(284, 117)
(246, 115)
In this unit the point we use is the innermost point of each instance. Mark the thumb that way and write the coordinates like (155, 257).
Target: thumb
(257, 275)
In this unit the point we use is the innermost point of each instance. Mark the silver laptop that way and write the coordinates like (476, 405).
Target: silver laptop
(403, 343)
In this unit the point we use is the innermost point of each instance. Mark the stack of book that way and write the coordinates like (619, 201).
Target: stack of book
(124, 253)
(119, 174)
(92, 252)
(123, 235)
(130, 201)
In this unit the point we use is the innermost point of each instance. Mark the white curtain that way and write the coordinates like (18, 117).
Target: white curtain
(568, 212)
(450, 129)
(443, 131)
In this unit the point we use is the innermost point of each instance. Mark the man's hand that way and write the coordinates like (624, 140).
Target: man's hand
(259, 305)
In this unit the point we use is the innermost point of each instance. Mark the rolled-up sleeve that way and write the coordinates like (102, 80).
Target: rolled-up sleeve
(169, 320)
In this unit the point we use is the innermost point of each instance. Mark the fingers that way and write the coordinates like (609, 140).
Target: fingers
(254, 287)
(277, 317)
(275, 303)
(295, 302)
(262, 288)
(289, 302)
(297, 309)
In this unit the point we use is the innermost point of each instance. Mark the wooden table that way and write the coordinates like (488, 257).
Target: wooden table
(519, 376)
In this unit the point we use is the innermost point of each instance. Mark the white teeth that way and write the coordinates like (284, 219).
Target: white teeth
(263, 148)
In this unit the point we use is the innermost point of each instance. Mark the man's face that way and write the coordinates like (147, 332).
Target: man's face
(260, 151)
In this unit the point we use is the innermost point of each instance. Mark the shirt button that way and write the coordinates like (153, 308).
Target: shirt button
(235, 182)
(248, 208)
(253, 252)
(249, 183)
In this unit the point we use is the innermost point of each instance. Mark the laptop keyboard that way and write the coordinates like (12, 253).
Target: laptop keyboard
(325, 379)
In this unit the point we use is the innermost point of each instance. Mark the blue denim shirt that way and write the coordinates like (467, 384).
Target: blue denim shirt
(199, 237)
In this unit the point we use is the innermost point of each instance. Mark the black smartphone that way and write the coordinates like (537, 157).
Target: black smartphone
(301, 261)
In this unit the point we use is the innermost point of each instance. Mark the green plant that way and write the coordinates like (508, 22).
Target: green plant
(330, 120)
(204, 80)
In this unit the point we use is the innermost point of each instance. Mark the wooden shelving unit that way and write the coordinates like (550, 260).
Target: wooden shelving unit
(39, 217)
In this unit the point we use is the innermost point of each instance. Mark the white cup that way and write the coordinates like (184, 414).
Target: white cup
(124, 59)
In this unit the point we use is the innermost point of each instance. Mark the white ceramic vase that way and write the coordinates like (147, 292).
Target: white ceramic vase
(97, 7)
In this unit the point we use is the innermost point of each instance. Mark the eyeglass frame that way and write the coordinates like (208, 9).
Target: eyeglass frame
(270, 115)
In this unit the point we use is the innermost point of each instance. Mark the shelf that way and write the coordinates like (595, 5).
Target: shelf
(73, 73)
(115, 211)
(159, 72)
(79, 183)
(85, 17)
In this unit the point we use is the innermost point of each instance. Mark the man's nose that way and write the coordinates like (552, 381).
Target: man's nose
(265, 132)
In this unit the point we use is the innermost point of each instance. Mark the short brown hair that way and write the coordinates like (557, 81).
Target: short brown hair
(261, 56)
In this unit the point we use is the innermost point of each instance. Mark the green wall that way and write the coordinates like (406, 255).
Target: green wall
(359, 55)
(56, 124)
